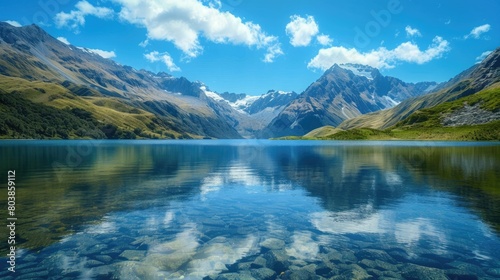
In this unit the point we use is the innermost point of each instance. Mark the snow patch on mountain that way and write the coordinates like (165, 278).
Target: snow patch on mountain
(244, 103)
(391, 102)
(359, 70)
(211, 94)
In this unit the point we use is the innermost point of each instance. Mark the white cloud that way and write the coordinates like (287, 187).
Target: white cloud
(144, 43)
(477, 31)
(104, 54)
(64, 40)
(480, 58)
(163, 57)
(301, 30)
(183, 22)
(410, 32)
(13, 23)
(381, 57)
(273, 51)
(324, 40)
(76, 18)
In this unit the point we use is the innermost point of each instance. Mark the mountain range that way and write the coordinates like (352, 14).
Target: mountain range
(471, 81)
(50, 89)
(343, 92)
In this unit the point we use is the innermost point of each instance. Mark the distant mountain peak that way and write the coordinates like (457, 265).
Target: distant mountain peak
(361, 70)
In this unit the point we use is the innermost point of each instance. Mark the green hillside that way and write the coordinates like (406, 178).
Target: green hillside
(427, 124)
(42, 110)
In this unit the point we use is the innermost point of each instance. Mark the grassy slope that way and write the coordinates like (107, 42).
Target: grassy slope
(390, 117)
(425, 124)
(103, 110)
(322, 132)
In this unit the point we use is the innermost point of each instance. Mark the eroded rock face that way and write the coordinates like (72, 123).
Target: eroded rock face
(470, 115)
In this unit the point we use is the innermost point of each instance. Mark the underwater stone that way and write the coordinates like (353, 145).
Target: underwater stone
(105, 270)
(348, 257)
(373, 254)
(460, 274)
(277, 260)
(93, 263)
(133, 255)
(273, 244)
(418, 272)
(468, 267)
(494, 272)
(301, 274)
(235, 276)
(103, 258)
(263, 273)
(34, 275)
(170, 262)
(258, 262)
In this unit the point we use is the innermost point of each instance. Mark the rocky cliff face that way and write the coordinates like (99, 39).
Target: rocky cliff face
(470, 115)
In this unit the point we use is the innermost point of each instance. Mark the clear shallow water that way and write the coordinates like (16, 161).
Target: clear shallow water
(254, 209)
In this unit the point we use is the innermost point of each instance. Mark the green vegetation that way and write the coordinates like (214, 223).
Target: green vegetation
(322, 132)
(431, 117)
(388, 118)
(21, 118)
(483, 132)
(424, 124)
(44, 110)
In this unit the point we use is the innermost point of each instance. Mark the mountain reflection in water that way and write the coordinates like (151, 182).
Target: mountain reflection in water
(200, 208)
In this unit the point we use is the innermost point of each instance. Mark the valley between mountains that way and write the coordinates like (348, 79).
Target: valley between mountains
(51, 90)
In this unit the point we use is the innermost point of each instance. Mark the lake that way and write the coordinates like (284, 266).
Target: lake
(253, 209)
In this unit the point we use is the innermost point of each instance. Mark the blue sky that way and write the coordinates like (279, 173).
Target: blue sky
(251, 46)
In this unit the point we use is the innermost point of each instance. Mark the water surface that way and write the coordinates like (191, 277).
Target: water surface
(248, 209)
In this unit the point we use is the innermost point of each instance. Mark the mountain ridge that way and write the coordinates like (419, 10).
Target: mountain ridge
(468, 82)
(32, 54)
(138, 103)
(341, 94)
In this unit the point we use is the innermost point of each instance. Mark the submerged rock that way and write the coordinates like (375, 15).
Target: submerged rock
(301, 274)
(263, 273)
(258, 262)
(418, 272)
(348, 257)
(93, 263)
(468, 267)
(460, 274)
(171, 262)
(373, 254)
(334, 256)
(353, 271)
(103, 258)
(138, 270)
(105, 271)
(133, 255)
(235, 276)
(34, 275)
(494, 272)
(326, 269)
(277, 260)
(273, 244)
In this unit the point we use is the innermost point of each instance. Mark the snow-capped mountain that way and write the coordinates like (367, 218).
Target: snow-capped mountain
(254, 112)
(360, 70)
(239, 101)
(343, 92)
(250, 104)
